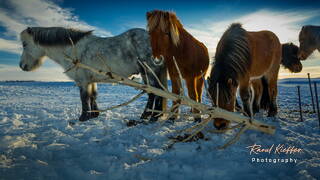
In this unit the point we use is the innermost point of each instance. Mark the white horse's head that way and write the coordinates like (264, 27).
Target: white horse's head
(33, 55)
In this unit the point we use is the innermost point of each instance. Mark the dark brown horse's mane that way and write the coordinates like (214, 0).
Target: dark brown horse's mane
(52, 36)
(232, 59)
(166, 21)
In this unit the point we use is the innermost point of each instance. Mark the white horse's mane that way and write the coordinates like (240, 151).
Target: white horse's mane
(52, 36)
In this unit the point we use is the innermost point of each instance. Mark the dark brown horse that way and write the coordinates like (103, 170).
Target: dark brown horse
(242, 56)
(170, 40)
(309, 38)
(289, 61)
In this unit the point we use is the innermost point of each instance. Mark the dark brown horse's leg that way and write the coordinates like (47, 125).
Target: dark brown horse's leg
(86, 105)
(273, 91)
(257, 88)
(246, 97)
(93, 98)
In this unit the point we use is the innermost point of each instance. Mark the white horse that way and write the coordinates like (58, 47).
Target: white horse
(120, 54)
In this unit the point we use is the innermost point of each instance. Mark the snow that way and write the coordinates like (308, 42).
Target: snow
(38, 142)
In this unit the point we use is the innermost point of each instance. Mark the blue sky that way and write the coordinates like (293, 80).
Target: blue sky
(206, 20)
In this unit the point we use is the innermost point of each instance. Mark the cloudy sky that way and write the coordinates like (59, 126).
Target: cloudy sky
(206, 20)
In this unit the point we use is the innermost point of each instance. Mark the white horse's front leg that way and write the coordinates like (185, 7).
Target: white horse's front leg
(88, 93)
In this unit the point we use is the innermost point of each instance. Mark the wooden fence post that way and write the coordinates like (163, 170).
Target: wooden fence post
(313, 106)
(317, 102)
(300, 108)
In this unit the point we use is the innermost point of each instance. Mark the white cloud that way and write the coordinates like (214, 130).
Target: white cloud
(26, 13)
(42, 74)
(286, 25)
(10, 46)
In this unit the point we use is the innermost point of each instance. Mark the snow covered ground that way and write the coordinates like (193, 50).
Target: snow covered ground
(37, 142)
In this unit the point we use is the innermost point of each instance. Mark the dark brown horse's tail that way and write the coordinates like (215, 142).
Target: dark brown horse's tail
(265, 98)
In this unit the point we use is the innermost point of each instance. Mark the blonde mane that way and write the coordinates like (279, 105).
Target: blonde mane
(162, 20)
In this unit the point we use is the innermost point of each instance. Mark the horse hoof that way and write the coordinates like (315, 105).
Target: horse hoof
(135, 122)
(145, 115)
(197, 120)
(84, 117)
(132, 123)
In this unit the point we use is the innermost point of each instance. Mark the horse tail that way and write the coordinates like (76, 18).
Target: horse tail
(265, 98)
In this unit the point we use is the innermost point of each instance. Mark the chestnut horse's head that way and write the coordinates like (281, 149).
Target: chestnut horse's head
(163, 29)
(308, 41)
(222, 90)
(290, 58)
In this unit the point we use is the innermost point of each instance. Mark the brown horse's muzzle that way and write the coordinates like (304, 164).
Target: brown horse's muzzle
(297, 68)
(221, 124)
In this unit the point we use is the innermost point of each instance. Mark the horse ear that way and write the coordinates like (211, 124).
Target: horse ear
(29, 30)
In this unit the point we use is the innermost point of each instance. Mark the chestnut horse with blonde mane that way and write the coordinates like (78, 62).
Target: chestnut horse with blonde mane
(170, 40)
(241, 57)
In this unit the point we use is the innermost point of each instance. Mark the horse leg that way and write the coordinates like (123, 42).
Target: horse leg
(149, 105)
(158, 105)
(192, 92)
(199, 84)
(246, 97)
(273, 91)
(93, 97)
(257, 91)
(85, 100)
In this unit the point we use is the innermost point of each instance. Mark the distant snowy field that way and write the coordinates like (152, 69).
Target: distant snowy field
(37, 142)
